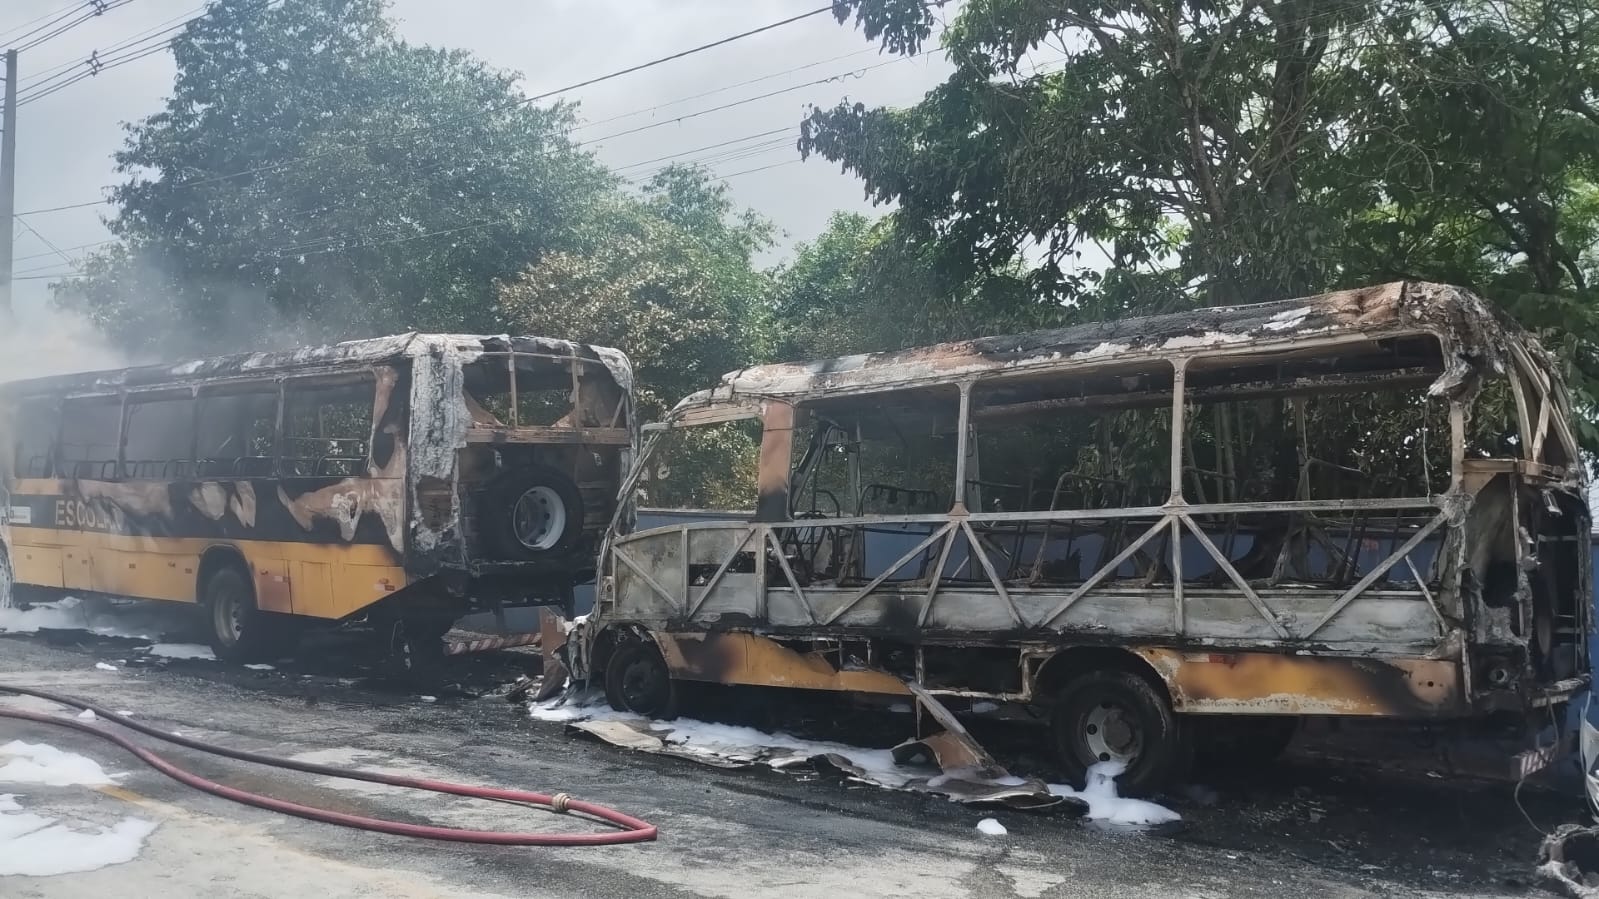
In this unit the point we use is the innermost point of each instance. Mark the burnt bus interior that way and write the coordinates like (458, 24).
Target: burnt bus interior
(552, 425)
(1317, 476)
(225, 431)
(549, 424)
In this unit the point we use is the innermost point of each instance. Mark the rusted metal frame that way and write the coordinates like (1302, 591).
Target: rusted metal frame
(1104, 572)
(1457, 445)
(936, 580)
(684, 576)
(576, 366)
(1523, 417)
(1432, 603)
(963, 433)
(562, 358)
(760, 575)
(1179, 426)
(890, 572)
(1318, 505)
(1341, 556)
(1381, 569)
(1532, 437)
(545, 434)
(788, 573)
(277, 431)
(720, 572)
(1067, 515)
(1178, 622)
(510, 372)
(654, 585)
(1541, 431)
(974, 546)
(1247, 391)
(1561, 402)
(1238, 580)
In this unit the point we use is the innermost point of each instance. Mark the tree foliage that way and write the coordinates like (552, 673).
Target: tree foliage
(862, 285)
(313, 177)
(668, 279)
(1244, 150)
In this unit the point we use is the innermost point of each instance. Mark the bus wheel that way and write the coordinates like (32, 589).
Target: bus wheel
(1117, 717)
(239, 631)
(637, 681)
(8, 580)
(533, 512)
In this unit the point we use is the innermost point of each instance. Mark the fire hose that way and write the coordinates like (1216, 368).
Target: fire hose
(630, 829)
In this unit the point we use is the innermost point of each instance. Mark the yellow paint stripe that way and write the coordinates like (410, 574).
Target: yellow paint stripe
(347, 553)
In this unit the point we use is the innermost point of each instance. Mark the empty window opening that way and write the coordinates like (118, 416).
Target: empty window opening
(547, 393)
(238, 434)
(326, 430)
(90, 429)
(34, 425)
(160, 437)
(709, 467)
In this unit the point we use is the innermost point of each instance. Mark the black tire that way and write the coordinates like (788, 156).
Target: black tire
(530, 513)
(1240, 741)
(238, 630)
(8, 580)
(638, 681)
(1109, 715)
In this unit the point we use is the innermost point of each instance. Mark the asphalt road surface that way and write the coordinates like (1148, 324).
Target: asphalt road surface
(1297, 828)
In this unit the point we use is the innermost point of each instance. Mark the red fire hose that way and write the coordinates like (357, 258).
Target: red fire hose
(631, 830)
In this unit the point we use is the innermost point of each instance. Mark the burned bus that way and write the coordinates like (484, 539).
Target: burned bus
(403, 480)
(1365, 503)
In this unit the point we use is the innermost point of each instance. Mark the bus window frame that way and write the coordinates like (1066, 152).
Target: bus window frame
(274, 387)
(365, 377)
(138, 397)
(58, 465)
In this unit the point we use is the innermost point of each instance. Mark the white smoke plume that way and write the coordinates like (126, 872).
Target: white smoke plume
(46, 341)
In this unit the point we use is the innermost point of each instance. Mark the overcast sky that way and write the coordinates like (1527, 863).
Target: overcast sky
(65, 140)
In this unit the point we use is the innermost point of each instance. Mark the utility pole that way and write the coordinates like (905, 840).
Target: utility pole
(8, 184)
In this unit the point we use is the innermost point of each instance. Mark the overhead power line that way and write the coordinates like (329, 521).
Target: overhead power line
(97, 66)
(62, 208)
(78, 8)
(678, 55)
(723, 89)
(146, 43)
(58, 252)
(521, 102)
(51, 30)
(6, 35)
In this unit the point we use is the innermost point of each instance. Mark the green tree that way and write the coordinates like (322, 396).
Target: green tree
(862, 286)
(1244, 150)
(313, 177)
(667, 278)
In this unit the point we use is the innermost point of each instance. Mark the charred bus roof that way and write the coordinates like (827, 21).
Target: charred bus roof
(1470, 340)
(320, 358)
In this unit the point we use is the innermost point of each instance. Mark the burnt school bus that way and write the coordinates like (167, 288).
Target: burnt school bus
(404, 480)
(1154, 535)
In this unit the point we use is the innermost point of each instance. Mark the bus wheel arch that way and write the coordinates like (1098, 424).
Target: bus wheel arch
(238, 630)
(8, 577)
(635, 674)
(1108, 704)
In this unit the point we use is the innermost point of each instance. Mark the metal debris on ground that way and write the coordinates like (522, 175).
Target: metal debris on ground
(1568, 861)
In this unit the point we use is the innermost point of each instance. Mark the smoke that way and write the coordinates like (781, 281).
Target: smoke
(35, 343)
(49, 341)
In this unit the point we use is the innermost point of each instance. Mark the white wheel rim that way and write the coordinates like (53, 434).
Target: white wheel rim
(539, 518)
(228, 617)
(1112, 734)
